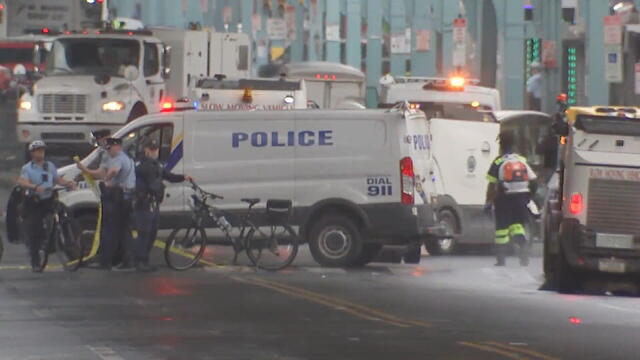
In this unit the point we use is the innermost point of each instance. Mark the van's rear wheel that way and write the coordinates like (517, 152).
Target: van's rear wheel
(446, 245)
(335, 241)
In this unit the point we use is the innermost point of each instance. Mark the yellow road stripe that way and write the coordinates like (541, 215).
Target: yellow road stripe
(491, 349)
(317, 301)
(161, 244)
(521, 350)
(344, 303)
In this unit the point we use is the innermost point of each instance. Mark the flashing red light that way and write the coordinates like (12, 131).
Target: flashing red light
(562, 98)
(130, 33)
(326, 77)
(318, 76)
(168, 106)
(45, 30)
(576, 204)
(575, 320)
(407, 176)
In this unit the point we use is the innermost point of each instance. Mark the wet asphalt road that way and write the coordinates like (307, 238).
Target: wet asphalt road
(445, 308)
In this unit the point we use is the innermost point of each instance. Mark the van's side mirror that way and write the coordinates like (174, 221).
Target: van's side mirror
(131, 73)
(166, 62)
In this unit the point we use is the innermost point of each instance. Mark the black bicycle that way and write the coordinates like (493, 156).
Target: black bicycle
(61, 237)
(272, 249)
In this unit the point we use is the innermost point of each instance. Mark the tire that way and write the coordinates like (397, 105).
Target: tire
(567, 280)
(184, 247)
(412, 256)
(138, 111)
(335, 241)
(446, 246)
(263, 253)
(69, 247)
(86, 231)
(368, 254)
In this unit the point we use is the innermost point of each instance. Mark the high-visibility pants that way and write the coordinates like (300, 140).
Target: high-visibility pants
(511, 213)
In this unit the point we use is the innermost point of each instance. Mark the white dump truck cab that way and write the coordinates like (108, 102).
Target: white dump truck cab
(95, 79)
(593, 224)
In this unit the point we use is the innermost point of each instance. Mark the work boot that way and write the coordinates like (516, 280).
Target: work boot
(501, 255)
(523, 250)
(125, 266)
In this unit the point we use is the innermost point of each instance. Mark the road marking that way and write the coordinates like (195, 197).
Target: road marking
(491, 349)
(522, 350)
(618, 308)
(161, 244)
(105, 353)
(357, 310)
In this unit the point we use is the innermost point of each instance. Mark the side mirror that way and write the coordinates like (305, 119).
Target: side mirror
(166, 62)
(131, 73)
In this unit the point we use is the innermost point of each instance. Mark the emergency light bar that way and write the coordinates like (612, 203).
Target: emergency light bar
(424, 79)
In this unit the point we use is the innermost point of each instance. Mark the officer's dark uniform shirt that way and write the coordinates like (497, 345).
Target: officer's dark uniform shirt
(149, 176)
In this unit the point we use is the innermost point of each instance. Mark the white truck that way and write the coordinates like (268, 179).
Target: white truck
(20, 17)
(221, 94)
(357, 179)
(463, 143)
(107, 78)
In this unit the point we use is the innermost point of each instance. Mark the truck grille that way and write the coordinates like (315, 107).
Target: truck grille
(614, 206)
(63, 104)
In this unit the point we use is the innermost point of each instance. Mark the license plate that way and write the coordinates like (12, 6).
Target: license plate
(612, 266)
(614, 241)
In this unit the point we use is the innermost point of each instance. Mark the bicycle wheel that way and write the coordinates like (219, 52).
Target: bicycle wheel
(69, 248)
(185, 247)
(274, 249)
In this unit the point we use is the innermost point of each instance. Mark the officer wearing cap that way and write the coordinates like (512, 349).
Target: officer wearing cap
(38, 177)
(119, 184)
(149, 194)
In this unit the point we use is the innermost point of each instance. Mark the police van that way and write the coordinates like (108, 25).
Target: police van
(220, 94)
(463, 144)
(358, 180)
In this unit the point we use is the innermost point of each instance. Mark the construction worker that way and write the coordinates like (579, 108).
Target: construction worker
(509, 194)
(149, 194)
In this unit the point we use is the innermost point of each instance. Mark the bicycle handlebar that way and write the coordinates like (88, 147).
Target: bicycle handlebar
(197, 188)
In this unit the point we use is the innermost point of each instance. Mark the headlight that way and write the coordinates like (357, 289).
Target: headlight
(113, 106)
(25, 105)
(289, 99)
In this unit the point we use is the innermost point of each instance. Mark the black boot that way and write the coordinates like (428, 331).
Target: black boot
(523, 249)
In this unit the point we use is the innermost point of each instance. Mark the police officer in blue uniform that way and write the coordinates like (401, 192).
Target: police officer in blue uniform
(38, 177)
(150, 174)
(119, 184)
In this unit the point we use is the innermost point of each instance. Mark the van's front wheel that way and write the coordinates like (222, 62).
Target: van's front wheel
(335, 241)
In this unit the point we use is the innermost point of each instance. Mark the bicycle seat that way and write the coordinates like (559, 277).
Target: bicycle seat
(252, 201)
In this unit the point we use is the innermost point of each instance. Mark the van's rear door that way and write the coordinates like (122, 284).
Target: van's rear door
(417, 147)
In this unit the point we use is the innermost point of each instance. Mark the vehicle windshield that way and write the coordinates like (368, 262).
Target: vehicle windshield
(12, 55)
(92, 56)
(608, 125)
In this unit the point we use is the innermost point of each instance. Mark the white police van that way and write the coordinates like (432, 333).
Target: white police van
(357, 179)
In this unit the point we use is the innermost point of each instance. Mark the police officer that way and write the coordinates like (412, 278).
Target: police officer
(119, 184)
(508, 192)
(38, 176)
(149, 194)
(100, 137)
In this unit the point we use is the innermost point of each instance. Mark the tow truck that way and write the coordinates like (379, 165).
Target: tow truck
(222, 94)
(462, 143)
(592, 216)
(106, 78)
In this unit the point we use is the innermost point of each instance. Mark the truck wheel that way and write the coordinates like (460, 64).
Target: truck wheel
(567, 280)
(412, 255)
(138, 111)
(444, 246)
(369, 252)
(335, 241)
